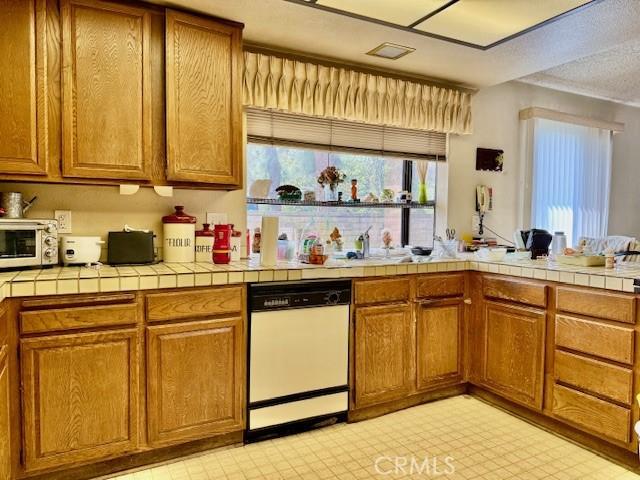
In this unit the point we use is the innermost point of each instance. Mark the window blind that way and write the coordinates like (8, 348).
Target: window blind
(571, 178)
(269, 126)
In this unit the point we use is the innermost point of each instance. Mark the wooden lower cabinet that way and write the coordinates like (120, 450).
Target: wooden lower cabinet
(80, 397)
(5, 421)
(439, 343)
(384, 354)
(513, 352)
(195, 379)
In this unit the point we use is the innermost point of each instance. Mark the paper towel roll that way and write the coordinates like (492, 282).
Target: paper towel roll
(269, 242)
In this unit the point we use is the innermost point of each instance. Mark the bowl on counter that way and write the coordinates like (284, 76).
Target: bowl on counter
(491, 254)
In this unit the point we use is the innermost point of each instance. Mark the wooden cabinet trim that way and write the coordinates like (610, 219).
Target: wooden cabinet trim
(72, 164)
(596, 303)
(165, 431)
(195, 303)
(602, 340)
(35, 161)
(594, 376)
(434, 354)
(513, 386)
(38, 321)
(381, 290)
(66, 440)
(519, 291)
(393, 363)
(5, 420)
(179, 154)
(440, 285)
(591, 413)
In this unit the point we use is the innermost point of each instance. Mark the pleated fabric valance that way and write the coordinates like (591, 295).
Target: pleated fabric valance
(302, 87)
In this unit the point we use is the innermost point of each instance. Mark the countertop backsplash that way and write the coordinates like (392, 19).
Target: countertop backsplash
(96, 210)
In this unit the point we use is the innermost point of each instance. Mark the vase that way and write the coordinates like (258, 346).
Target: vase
(422, 193)
(330, 193)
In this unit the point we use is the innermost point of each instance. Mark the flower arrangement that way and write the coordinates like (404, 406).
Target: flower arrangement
(331, 176)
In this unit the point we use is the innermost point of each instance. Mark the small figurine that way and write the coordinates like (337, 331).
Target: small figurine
(387, 195)
(387, 239)
(339, 197)
(370, 198)
(354, 190)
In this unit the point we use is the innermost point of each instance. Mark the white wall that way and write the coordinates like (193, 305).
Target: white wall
(496, 125)
(96, 210)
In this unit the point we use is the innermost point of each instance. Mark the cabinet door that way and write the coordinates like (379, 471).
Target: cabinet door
(384, 354)
(106, 90)
(22, 88)
(195, 379)
(5, 422)
(80, 397)
(439, 350)
(204, 109)
(514, 352)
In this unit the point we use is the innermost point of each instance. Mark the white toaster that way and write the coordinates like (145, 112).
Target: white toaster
(80, 250)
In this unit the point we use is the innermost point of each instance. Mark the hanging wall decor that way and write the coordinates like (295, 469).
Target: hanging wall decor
(489, 159)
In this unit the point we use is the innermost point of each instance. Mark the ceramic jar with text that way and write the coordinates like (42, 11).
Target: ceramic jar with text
(204, 244)
(179, 237)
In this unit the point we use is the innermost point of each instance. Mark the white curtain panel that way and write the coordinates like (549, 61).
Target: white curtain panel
(571, 179)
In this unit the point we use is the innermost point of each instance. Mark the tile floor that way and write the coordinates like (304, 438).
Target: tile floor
(458, 438)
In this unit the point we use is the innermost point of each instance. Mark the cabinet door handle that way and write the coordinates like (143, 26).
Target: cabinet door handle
(467, 301)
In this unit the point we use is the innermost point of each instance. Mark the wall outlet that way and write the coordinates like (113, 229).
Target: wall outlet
(64, 220)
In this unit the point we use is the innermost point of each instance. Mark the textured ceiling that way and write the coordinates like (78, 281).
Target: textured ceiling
(613, 75)
(289, 26)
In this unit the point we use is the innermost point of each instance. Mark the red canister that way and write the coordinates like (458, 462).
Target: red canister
(222, 243)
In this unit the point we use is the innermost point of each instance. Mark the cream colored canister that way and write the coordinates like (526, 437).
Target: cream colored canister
(179, 237)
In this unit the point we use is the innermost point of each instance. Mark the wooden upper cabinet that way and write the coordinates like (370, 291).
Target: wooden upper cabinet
(513, 350)
(204, 109)
(23, 101)
(384, 354)
(439, 350)
(195, 379)
(106, 90)
(80, 397)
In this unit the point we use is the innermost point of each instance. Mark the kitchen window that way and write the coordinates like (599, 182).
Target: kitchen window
(569, 177)
(309, 145)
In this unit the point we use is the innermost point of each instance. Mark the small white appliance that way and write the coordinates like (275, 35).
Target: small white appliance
(80, 250)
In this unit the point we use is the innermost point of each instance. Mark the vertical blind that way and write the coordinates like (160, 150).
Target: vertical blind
(571, 178)
(284, 128)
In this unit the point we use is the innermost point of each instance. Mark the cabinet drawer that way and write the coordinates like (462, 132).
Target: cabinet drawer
(440, 285)
(38, 321)
(197, 303)
(382, 290)
(529, 293)
(600, 378)
(599, 416)
(595, 303)
(599, 339)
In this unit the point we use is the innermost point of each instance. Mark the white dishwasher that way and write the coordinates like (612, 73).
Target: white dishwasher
(298, 357)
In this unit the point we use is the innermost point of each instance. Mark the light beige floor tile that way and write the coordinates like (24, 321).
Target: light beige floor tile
(480, 442)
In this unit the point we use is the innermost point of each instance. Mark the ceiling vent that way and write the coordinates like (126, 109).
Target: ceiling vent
(390, 51)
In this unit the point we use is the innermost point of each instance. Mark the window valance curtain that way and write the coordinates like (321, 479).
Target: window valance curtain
(301, 87)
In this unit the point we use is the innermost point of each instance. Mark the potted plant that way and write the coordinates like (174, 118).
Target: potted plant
(330, 178)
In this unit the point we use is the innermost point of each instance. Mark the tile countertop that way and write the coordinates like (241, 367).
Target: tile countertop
(70, 280)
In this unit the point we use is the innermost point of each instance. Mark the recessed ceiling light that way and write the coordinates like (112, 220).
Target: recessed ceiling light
(390, 51)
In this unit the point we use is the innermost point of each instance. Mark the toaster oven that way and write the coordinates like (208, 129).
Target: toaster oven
(26, 242)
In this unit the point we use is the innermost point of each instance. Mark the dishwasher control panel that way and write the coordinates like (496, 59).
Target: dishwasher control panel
(298, 295)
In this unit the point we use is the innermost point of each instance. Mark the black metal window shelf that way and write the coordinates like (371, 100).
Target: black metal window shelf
(302, 203)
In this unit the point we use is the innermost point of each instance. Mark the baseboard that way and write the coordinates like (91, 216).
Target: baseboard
(141, 459)
(407, 402)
